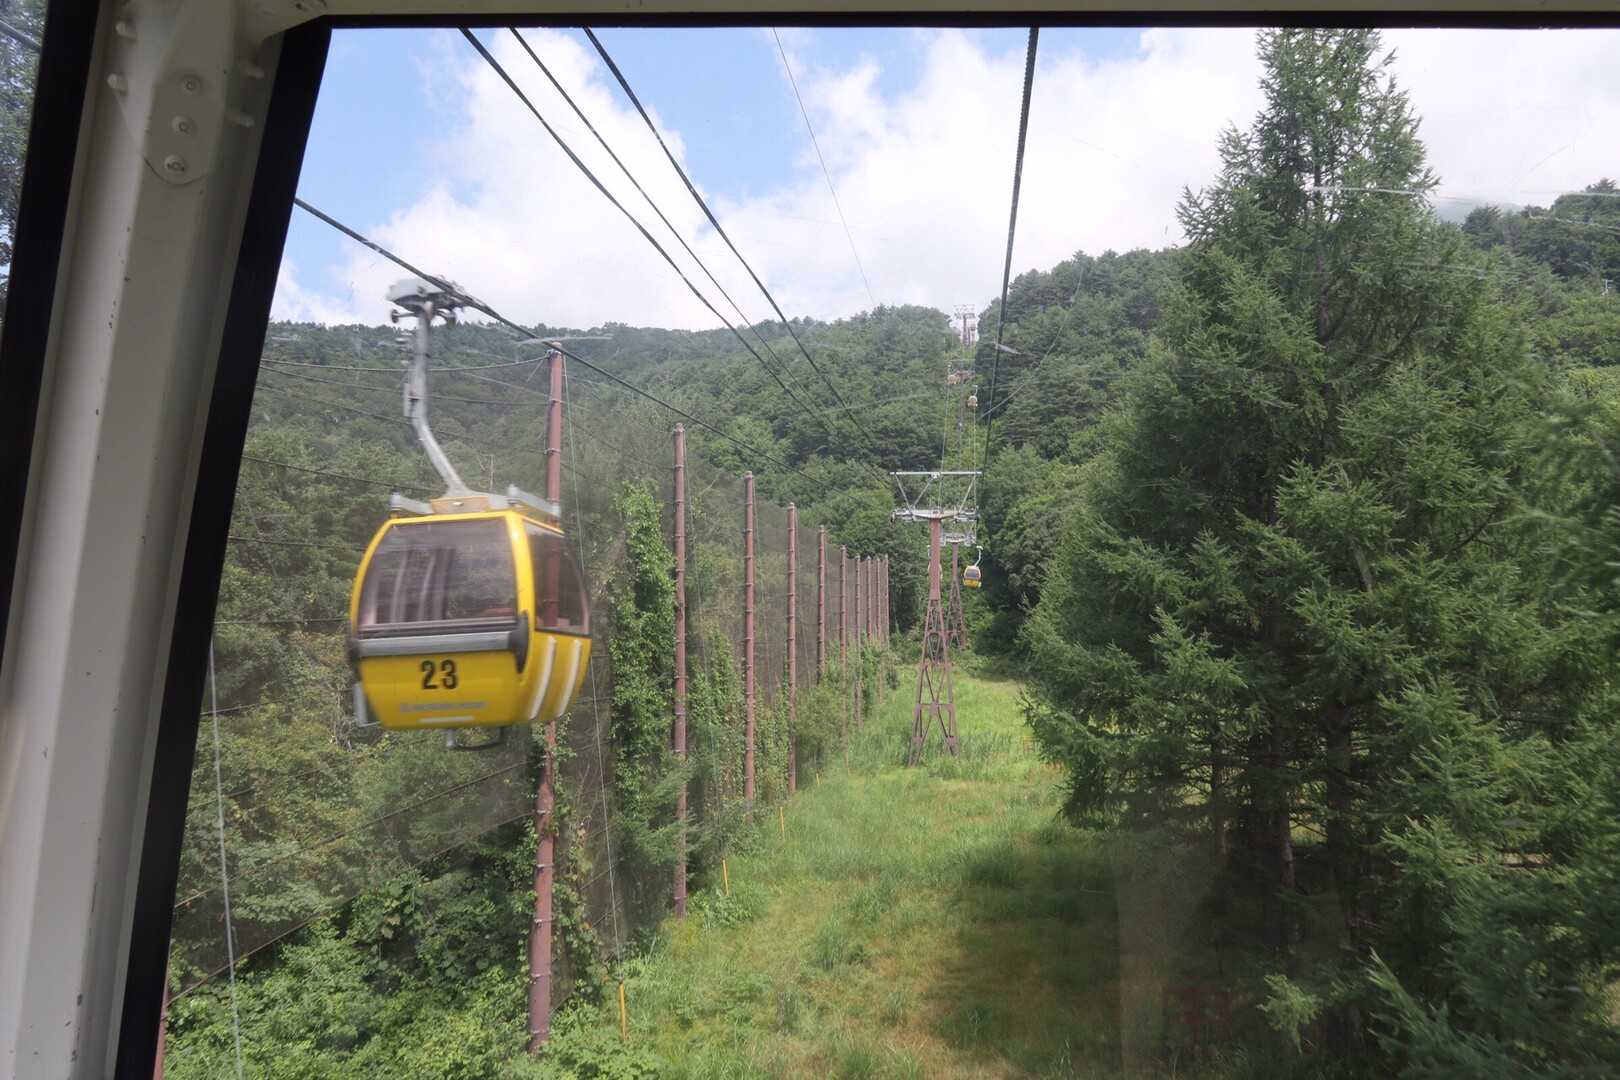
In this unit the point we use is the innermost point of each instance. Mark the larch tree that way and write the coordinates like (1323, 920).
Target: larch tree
(1301, 613)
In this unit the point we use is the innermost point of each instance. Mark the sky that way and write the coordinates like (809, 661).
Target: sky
(420, 145)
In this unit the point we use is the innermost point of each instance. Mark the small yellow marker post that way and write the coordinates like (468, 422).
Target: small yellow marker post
(781, 817)
(725, 874)
(624, 1017)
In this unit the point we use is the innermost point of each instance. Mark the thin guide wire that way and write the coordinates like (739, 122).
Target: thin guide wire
(224, 876)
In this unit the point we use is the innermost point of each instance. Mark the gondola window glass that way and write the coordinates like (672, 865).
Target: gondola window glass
(440, 571)
(559, 590)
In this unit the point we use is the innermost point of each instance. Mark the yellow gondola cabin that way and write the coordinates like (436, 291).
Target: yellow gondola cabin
(469, 619)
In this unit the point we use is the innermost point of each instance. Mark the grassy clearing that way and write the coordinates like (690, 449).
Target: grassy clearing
(928, 922)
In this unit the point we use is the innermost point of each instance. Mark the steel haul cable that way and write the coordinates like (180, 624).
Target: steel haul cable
(624, 85)
(661, 217)
(224, 876)
(479, 305)
(1012, 229)
(511, 83)
(813, 142)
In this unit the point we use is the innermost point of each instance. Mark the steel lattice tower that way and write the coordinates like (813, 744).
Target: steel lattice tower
(936, 698)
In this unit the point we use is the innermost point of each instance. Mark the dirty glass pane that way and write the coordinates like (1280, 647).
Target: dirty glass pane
(22, 26)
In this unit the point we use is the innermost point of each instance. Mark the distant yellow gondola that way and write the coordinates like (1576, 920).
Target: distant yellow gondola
(971, 575)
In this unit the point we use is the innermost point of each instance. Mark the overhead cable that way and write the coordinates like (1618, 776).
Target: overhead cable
(1012, 229)
(224, 875)
(524, 332)
(623, 168)
(813, 142)
(624, 85)
(506, 77)
(335, 475)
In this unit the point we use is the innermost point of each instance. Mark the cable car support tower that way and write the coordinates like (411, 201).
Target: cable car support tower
(927, 498)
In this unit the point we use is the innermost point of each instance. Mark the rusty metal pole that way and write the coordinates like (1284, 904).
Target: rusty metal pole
(679, 735)
(843, 629)
(877, 622)
(871, 621)
(860, 655)
(865, 608)
(883, 599)
(871, 624)
(545, 798)
(748, 644)
(793, 647)
(877, 643)
(821, 602)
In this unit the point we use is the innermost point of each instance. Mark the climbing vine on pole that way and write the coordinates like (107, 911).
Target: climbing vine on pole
(642, 609)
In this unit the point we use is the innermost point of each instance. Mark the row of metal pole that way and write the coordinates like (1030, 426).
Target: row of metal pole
(868, 620)
(871, 597)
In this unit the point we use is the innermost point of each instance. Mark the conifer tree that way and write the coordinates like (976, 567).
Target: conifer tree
(1301, 614)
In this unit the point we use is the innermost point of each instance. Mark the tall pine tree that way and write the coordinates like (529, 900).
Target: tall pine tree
(1301, 614)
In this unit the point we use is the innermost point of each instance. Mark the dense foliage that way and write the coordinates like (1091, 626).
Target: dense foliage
(643, 627)
(1303, 617)
(412, 862)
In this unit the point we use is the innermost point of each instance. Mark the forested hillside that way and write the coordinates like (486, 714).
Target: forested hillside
(1302, 536)
(378, 885)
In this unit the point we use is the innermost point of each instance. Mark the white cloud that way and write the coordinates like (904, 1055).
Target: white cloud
(925, 178)
(509, 217)
(924, 173)
(296, 303)
(1514, 116)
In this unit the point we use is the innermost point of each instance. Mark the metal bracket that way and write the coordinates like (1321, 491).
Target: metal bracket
(400, 505)
(184, 74)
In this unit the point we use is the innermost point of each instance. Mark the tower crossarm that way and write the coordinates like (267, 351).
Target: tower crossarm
(936, 495)
(933, 513)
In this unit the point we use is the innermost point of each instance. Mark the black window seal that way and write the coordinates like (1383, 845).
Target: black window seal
(253, 285)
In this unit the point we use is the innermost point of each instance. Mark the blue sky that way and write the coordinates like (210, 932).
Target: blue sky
(418, 144)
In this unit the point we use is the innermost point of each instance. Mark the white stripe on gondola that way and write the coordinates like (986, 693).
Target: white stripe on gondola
(545, 672)
(579, 680)
(573, 671)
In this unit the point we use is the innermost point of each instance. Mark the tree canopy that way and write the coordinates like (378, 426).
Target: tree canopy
(1301, 614)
